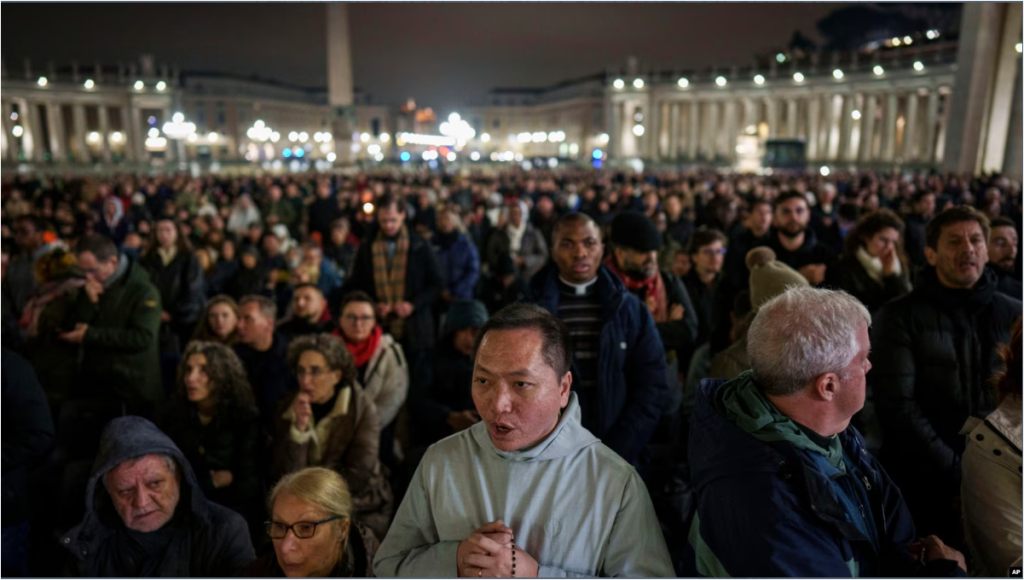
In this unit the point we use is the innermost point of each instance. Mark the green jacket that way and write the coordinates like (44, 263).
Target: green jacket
(120, 350)
(283, 209)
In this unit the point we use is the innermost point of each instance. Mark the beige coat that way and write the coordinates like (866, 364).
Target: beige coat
(387, 379)
(991, 489)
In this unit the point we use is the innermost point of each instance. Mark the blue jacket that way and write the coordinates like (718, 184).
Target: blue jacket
(460, 265)
(632, 388)
(771, 508)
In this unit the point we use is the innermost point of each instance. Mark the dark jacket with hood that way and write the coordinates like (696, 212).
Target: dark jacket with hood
(27, 434)
(631, 386)
(119, 352)
(771, 501)
(203, 538)
(933, 352)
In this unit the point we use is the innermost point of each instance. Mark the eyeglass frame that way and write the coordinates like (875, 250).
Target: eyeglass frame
(287, 528)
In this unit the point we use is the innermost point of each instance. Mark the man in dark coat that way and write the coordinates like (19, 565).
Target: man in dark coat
(923, 204)
(27, 435)
(309, 315)
(635, 244)
(146, 515)
(399, 270)
(116, 320)
(784, 485)
(263, 353)
(618, 360)
(756, 232)
(1002, 254)
(796, 245)
(935, 350)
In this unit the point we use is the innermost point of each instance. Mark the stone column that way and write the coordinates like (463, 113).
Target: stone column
(910, 131)
(845, 128)
(791, 112)
(104, 132)
(652, 129)
(867, 129)
(34, 139)
(1002, 102)
(827, 123)
(771, 106)
(131, 137)
(673, 132)
(340, 87)
(1014, 157)
(709, 140)
(813, 113)
(611, 111)
(731, 123)
(80, 129)
(889, 127)
(693, 140)
(58, 134)
(13, 147)
(931, 127)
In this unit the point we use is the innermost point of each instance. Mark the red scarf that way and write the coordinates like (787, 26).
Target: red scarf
(364, 350)
(654, 290)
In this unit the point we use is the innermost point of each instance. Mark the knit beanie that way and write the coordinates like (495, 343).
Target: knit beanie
(769, 277)
(465, 314)
(632, 229)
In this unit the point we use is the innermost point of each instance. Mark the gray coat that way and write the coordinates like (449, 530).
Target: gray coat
(208, 539)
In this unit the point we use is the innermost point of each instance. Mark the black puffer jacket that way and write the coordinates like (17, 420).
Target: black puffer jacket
(854, 279)
(933, 352)
(180, 284)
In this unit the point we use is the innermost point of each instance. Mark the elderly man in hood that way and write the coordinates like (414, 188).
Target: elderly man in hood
(527, 491)
(146, 515)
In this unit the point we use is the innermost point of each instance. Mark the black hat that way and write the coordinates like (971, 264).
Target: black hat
(634, 230)
(465, 314)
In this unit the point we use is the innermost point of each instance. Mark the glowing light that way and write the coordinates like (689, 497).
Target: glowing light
(597, 154)
(485, 137)
(179, 118)
(332, 156)
(758, 79)
(367, 207)
(683, 82)
(17, 131)
(574, 149)
(117, 137)
(495, 156)
(454, 118)
(303, 137)
(837, 74)
(156, 143)
(212, 137)
(435, 140)
(780, 57)
(474, 156)
(300, 152)
(798, 77)
(824, 171)
(287, 152)
(878, 70)
(638, 130)
(1019, 47)
(429, 155)
(42, 81)
(918, 66)
(151, 120)
(192, 138)
(154, 132)
(259, 124)
(540, 137)
(908, 41)
(451, 156)
(524, 137)
(275, 136)
(364, 137)
(93, 137)
(405, 156)
(384, 137)
(293, 136)
(139, 85)
(14, 116)
(603, 138)
(619, 84)
(160, 86)
(638, 83)
(896, 42)
(89, 83)
(720, 81)
(378, 157)
(855, 114)
(373, 149)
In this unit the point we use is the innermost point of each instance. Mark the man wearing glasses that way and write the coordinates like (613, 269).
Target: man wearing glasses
(796, 245)
(707, 254)
(146, 515)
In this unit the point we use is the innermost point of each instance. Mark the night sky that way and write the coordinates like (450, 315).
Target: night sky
(441, 54)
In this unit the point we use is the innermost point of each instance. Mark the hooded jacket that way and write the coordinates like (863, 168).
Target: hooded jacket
(207, 540)
(631, 385)
(572, 503)
(773, 502)
(933, 353)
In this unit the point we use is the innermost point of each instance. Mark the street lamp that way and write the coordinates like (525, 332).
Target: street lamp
(160, 86)
(638, 83)
(683, 82)
(878, 70)
(619, 84)
(798, 77)
(89, 83)
(720, 81)
(758, 80)
(42, 81)
(638, 130)
(837, 74)
(139, 85)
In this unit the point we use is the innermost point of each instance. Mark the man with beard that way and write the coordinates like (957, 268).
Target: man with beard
(923, 204)
(618, 365)
(635, 244)
(755, 233)
(796, 245)
(1002, 255)
(310, 314)
(935, 350)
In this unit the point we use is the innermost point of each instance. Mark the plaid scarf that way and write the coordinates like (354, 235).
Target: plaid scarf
(390, 282)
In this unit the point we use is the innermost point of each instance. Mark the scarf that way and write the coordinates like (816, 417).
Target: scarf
(655, 295)
(390, 282)
(167, 256)
(363, 351)
(873, 265)
(515, 235)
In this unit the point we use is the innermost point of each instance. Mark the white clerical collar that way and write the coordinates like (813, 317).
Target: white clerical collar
(580, 289)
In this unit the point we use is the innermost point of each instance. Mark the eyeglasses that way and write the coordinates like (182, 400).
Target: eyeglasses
(352, 318)
(710, 252)
(302, 530)
(312, 371)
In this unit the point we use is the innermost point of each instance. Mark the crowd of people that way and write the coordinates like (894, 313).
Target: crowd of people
(512, 373)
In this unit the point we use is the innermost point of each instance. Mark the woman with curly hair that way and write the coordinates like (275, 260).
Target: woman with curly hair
(874, 268)
(219, 321)
(213, 420)
(329, 422)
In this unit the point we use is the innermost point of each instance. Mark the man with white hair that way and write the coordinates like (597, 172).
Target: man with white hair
(784, 484)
